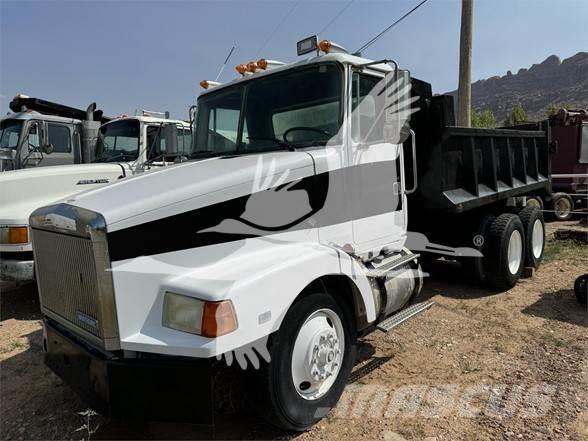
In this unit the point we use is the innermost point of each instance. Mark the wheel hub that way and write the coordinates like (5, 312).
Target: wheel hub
(515, 251)
(324, 359)
(318, 354)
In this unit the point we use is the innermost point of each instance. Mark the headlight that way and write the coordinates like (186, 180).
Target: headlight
(187, 314)
(14, 235)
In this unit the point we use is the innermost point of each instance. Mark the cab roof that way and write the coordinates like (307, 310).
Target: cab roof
(343, 58)
(149, 120)
(28, 115)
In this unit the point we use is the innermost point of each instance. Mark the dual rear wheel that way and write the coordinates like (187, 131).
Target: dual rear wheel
(510, 242)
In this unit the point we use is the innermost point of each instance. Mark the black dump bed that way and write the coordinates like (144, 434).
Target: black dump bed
(50, 108)
(460, 169)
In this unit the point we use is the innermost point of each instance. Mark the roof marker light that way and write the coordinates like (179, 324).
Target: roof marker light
(264, 64)
(251, 67)
(241, 68)
(205, 84)
(327, 46)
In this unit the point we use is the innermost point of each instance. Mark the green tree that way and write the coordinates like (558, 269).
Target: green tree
(516, 116)
(553, 108)
(484, 119)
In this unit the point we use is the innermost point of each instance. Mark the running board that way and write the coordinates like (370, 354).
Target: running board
(395, 263)
(402, 316)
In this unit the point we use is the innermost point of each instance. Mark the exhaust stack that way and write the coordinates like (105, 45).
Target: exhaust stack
(90, 130)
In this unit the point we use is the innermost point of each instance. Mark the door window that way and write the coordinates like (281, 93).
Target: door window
(367, 114)
(59, 136)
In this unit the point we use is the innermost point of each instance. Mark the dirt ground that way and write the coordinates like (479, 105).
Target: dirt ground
(478, 365)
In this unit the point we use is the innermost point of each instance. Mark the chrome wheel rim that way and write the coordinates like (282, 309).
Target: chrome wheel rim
(563, 207)
(533, 203)
(318, 353)
(515, 251)
(537, 237)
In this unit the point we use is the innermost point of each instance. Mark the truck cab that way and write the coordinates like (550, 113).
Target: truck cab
(122, 147)
(44, 133)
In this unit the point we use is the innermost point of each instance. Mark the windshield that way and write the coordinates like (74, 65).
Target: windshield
(118, 141)
(297, 108)
(10, 133)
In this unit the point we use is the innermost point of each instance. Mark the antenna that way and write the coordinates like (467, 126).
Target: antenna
(225, 63)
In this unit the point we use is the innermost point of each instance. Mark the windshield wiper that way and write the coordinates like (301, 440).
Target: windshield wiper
(106, 158)
(205, 154)
(281, 143)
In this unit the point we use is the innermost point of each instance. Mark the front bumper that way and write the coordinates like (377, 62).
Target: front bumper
(17, 268)
(158, 389)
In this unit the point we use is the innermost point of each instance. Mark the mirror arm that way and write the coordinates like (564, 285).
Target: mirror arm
(414, 165)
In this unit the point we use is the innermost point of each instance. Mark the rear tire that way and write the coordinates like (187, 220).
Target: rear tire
(534, 226)
(581, 289)
(563, 206)
(506, 251)
(299, 406)
(535, 201)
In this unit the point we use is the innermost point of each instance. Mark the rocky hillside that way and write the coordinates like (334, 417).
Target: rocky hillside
(551, 82)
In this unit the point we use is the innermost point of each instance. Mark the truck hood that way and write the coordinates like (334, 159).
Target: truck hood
(25, 190)
(192, 185)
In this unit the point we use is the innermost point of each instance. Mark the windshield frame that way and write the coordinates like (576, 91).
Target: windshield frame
(244, 85)
(23, 125)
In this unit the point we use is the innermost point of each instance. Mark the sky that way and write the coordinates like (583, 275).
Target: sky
(133, 54)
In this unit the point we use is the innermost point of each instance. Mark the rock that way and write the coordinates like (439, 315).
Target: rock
(551, 82)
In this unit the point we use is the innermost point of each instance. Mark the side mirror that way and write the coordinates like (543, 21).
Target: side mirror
(47, 149)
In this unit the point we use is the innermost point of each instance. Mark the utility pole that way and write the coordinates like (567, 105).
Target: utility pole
(464, 90)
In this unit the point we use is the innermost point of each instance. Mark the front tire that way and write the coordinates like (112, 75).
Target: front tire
(506, 251)
(312, 355)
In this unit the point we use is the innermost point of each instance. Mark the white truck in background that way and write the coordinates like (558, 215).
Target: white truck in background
(41, 133)
(122, 147)
(280, 247)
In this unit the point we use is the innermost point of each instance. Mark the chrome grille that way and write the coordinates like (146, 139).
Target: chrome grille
(75, 284)
(67, 279)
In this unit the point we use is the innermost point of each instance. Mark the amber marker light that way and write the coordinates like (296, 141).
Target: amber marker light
(325, 46)
(14, 235)
(241, 68)
(218, 318)
(251, 67)
(204, 84)
(262, 63)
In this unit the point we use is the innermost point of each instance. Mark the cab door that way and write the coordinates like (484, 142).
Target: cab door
(376, 158)
(60, 136)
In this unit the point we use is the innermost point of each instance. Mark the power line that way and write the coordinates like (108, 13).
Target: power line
(278, 26)
(328, 25)
(377, 37)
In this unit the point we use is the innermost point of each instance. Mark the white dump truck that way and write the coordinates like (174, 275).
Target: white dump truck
(119, 148)
(279, 245)
(41, 133)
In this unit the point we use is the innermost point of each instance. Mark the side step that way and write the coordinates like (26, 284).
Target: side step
(381, 271)
(402, 316)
